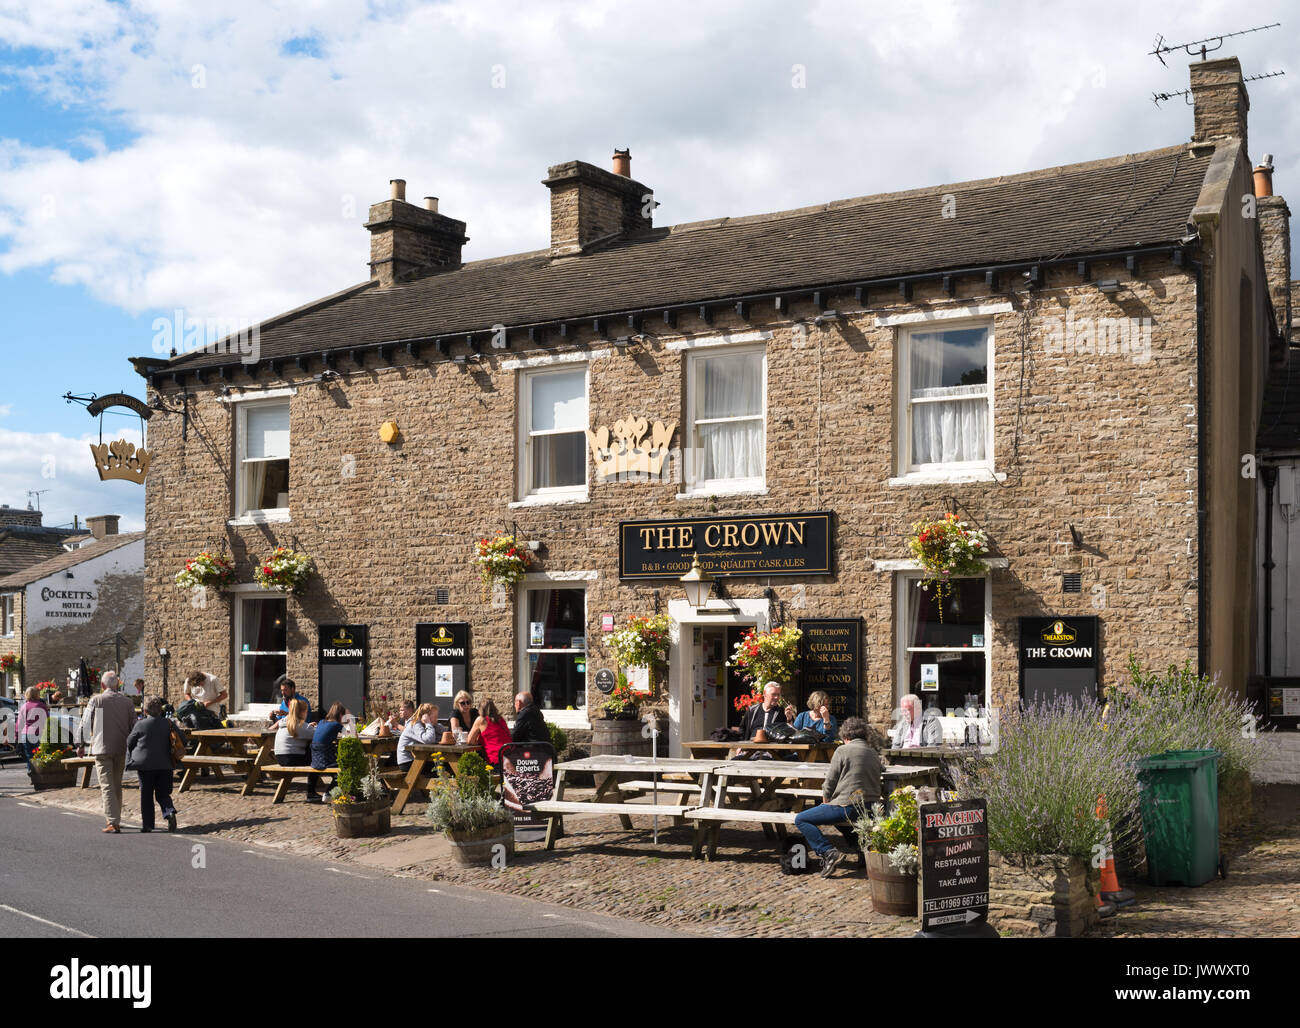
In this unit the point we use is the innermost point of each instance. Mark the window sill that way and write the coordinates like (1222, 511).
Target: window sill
(278, 516)
(945, 478)
(550, 501)
(567, 719)
(910, 564)
(706, 494)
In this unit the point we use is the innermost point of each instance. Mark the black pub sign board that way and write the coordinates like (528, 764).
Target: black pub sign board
(767, 544)
(1059, 656)
(830, 659)
(343, 656)
(441, 663)
(954, 841)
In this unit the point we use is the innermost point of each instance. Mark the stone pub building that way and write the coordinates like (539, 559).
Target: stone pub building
(1071, 359)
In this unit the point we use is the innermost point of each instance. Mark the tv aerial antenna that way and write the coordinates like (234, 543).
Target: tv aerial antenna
(36, 493)
(1204, 48)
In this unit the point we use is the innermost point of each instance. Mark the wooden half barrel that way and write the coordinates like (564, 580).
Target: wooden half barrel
(363, 820)
(476, 849)
(891, 892)
(611, 737)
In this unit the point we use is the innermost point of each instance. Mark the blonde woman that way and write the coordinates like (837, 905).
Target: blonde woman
(463, 714)
(818, 717)
(293, 736)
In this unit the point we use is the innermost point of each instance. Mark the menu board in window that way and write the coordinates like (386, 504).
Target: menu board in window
(442, 651)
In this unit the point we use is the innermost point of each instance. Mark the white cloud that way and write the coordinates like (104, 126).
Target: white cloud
(62, 469)
(245, 197)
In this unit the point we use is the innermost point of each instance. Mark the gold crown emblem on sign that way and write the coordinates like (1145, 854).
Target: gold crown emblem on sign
(120, 459)
(628, 452)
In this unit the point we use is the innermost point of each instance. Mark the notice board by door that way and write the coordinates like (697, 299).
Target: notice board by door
(1059, 656)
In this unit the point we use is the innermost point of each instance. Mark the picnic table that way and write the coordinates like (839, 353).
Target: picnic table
(428, 761)
(378, 745)
(209, 739)
(706, 748)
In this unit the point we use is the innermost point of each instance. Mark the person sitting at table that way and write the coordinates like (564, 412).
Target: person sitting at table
(490, 731)
(852, 782)
(421, 729)
(818, 717)
(294, 736)
(205, 690)
(397, 719)
(463, 714)
(530, 723)
(288, 691)
(325, 746)
(912, 729)
(768, 713)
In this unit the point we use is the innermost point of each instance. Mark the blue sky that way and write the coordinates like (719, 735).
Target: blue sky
(159, 156)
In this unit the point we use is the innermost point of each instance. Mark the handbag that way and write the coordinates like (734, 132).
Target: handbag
(780, 731)
(178, 748)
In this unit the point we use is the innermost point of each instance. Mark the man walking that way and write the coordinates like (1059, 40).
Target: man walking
(109, 719)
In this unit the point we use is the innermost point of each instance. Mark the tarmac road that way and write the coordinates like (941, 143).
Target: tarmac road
(61, 877)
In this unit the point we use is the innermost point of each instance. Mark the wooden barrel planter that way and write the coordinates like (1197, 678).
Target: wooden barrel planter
(363, 820)
(618, 736)
(52, 776)
(891, 892)
(476, 849)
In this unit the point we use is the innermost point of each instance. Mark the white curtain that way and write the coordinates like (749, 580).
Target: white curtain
(268, 431)
(954, 426)
(731, 387)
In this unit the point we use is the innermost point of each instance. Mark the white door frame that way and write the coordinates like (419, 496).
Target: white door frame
(735, 612)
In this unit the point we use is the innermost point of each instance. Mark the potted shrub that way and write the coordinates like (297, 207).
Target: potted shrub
(947, 548)
(467, 812)
(500, 560)
(48, 770)
(623, 700)
(890, 843)
(361, 804)
(206, 571)
(285, 570)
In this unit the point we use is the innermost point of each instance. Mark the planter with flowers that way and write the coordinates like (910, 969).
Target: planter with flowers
(466, 810)
(890, 844)
(500, 560)
(207, 570)
(763, 657)
(643, 642)
(48, 770)
(361, 803)
(284, 569)
(946, 549)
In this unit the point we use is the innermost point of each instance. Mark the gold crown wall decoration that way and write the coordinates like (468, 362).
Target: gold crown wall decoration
(120, 459)
(627, 451)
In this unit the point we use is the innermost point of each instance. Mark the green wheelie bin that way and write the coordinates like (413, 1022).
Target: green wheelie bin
(1179, 795)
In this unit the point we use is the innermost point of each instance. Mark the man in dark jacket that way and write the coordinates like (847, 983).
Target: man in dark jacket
(766, 714)
(149, 755)
(530, 725)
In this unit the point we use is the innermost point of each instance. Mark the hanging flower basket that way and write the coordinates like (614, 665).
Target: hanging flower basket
(11, 664)
(763, 657)
(643, 642)
(501, 560)
(285, 569)
(206, 571)
(947, 549)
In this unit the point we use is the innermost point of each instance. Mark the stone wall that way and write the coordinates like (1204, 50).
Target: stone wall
(1283, 764)
(1103, 441)
(1048, 897)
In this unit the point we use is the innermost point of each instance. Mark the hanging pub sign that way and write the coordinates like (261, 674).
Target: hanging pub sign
(830, 659)
(119, 459)
(343, 656)
(441, 662)
(768, 544)
(527, 776)
(954, 857)
(1059, 656)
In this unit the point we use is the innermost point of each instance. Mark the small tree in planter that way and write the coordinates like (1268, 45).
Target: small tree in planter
(465, 810)
(947, 548)
(361, 804)
(48, 770)
(890, 843)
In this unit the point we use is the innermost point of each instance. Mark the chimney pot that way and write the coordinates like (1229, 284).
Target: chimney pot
(399, 188)
(103, 525)
(591, 206)
(431, 204)
(623, 163)
(406, 239)
(1264, 177)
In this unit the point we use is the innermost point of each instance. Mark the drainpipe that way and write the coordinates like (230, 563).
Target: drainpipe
(1269, 474)
(1202, 643)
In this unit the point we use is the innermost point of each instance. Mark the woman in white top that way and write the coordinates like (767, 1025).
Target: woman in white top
(293, 737)
(422, 729)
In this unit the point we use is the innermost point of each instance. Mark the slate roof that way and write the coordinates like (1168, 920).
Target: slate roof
(1076, 210)
(68, 559)
(24, 545)
(1279, 421)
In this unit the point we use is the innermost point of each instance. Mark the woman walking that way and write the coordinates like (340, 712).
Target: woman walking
(149, 755)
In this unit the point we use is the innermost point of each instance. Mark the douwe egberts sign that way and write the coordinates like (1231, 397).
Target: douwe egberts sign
(767, 544)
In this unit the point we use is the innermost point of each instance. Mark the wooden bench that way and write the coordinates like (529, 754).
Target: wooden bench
(709, 821)
(194, 761)
(578, 807)
(85, 763)
(285, 775)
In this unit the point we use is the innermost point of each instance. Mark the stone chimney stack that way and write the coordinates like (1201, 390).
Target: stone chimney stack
(590, 206)
(103, 525)
(1274, 218)
(1219, 101)
(405, 238)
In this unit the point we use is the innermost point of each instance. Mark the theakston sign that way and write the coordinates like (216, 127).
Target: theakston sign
(768, 544)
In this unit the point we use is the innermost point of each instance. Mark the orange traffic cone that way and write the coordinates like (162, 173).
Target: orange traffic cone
(1111, 893)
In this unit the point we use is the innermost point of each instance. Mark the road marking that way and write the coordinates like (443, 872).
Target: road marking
(350, 874)
(467, 899)
(34, 806)
(268, 856)
(52, 924)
